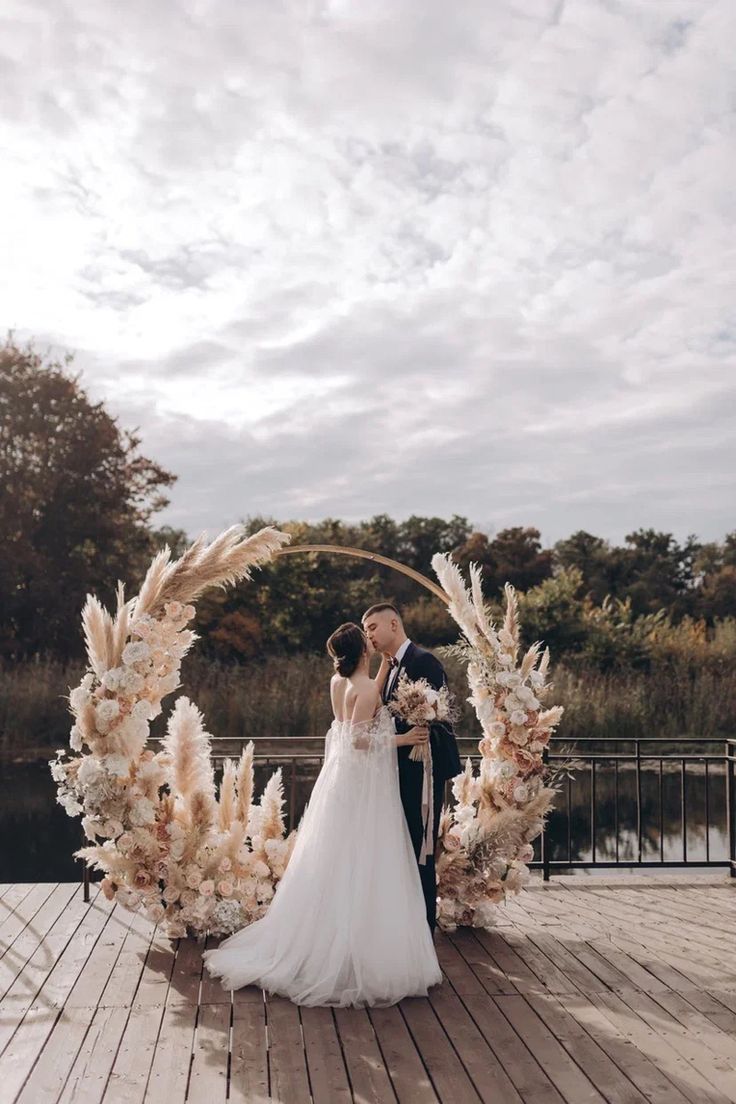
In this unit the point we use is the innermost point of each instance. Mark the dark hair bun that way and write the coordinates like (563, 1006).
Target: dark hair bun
(346, 646)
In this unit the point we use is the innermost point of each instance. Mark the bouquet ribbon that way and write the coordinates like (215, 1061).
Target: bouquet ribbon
(427, 848)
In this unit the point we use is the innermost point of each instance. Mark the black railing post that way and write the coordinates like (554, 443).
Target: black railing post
(638, 799)
(292, 796)
(683, 809)
(731, 803)
(545, 836)
(85, 872)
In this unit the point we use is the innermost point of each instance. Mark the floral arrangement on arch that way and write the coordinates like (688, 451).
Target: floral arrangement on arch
(485, 840)
(191, 859)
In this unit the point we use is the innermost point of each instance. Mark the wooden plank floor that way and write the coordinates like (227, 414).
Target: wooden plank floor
(591, 989)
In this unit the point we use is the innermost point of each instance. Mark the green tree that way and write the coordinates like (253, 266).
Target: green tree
(514, 555)
(76, 501)
(659, 572)
(591, 555)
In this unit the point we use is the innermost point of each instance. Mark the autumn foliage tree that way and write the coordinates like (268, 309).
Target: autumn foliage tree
(76, 502)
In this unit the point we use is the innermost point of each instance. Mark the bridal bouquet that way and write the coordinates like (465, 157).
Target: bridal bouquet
(419, 704)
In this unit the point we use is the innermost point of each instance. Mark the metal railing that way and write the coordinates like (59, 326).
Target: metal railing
(642, 761)
(292, 751)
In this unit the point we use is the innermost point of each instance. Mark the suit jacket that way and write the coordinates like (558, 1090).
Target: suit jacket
(419, 663)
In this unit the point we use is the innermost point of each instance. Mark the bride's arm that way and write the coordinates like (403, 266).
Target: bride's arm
(382, 674)
(363, 713)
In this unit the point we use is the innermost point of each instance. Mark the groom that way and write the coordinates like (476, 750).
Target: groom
(383, 625)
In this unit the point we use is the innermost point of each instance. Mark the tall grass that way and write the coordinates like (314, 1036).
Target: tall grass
(284, 696)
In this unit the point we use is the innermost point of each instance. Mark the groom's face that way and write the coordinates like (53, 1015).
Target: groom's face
(382, 629)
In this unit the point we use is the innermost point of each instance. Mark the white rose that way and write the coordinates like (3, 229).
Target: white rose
(132, 682)
(536, 678)
(142, 812)
(117, 765)
(508, 769)
(521, 792)
(78, 698)
(497, 729)
(90, 827)
(527, 697)
(111, 679)
(128, 898)
(518, 717)
(89, 771)
(505, 659)
(141, 711)
(136, 652)
(58, 771)
(194, 877)
(70, 804)
(106, 713)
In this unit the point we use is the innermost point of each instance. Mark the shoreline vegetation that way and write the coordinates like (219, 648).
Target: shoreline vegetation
(282, 696)
(642, 635)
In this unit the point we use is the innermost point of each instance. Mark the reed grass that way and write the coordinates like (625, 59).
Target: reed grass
(289, 696)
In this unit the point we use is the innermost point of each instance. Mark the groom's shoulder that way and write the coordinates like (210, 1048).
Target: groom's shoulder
(424, 656)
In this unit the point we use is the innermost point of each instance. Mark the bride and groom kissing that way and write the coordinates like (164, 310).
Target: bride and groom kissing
(352, 919)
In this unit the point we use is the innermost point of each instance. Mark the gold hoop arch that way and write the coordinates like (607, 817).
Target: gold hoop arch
(342, 550)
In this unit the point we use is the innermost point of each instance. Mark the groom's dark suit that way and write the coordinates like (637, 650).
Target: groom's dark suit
(421, 664)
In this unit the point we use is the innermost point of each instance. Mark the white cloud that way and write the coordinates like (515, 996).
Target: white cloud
(337, 258)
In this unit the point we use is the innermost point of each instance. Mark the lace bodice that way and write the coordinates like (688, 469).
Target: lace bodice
(370, 736)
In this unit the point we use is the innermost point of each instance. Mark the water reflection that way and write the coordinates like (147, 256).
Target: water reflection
(38, 838)
(665, 834)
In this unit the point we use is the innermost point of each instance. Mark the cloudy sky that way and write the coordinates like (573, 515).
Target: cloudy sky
(363, 256)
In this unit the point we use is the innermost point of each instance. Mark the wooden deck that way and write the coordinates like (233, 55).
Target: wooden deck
(590, 990)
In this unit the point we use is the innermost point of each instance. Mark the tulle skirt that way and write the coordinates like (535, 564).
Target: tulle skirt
(347, 924)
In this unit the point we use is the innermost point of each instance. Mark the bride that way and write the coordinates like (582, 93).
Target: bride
(347, 924)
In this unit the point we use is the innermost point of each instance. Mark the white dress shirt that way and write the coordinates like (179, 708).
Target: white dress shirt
(394, 672)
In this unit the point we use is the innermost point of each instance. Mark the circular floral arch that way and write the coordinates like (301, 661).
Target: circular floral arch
(361, 553)
(197, 858)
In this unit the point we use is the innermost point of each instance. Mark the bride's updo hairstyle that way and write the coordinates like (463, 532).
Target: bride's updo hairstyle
(346, 646)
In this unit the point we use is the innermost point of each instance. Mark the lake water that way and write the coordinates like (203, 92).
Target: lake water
(37, 838)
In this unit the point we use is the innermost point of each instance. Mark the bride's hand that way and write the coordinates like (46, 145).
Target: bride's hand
(417, 735)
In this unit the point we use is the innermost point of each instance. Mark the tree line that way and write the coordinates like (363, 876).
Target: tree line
(78, 503)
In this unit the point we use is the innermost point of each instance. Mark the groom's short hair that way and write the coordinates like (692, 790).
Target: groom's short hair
(379, 606)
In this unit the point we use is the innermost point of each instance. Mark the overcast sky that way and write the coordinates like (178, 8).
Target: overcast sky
(378, 256)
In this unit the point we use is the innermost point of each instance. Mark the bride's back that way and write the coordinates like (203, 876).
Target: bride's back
(354, 698)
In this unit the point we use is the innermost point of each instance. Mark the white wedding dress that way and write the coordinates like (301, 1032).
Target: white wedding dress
(347, 924)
